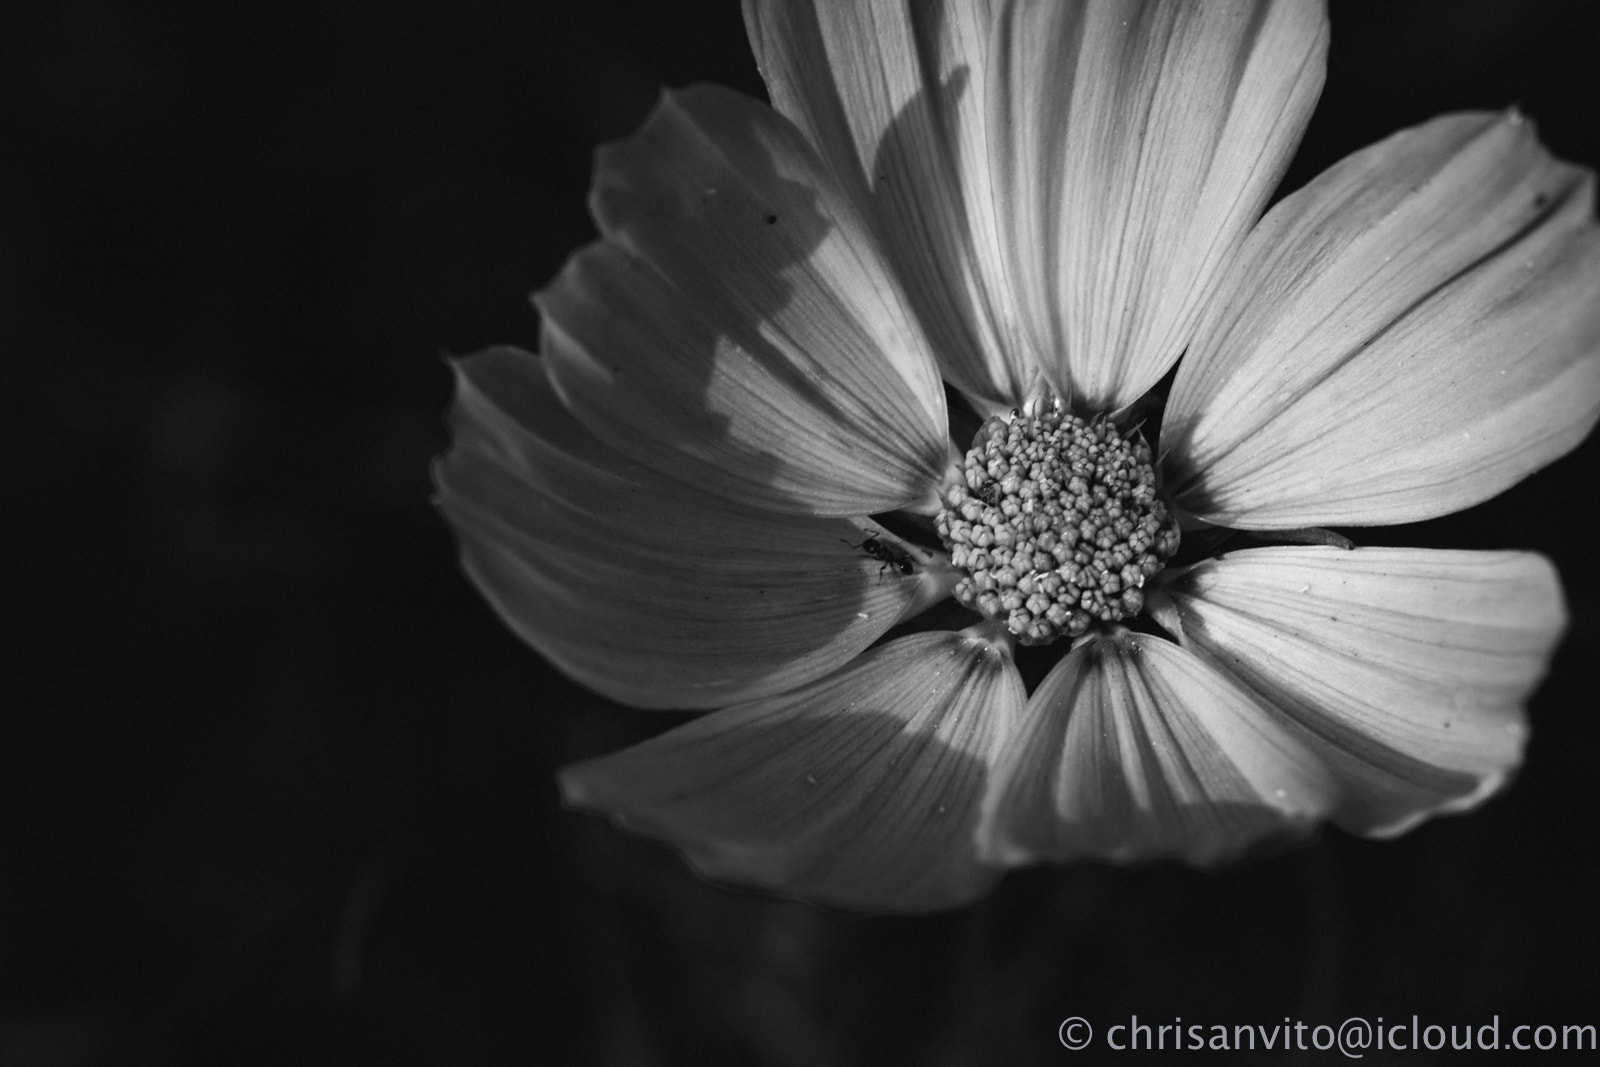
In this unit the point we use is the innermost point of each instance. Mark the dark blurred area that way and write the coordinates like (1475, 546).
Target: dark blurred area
(278, 786)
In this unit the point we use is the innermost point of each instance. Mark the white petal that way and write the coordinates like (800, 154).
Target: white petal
(860, 790)
(1411, 333)
(1134, 749)
(645, 590)
(737, 329)
(1407, 669)
(1134, 146)
(894, 97)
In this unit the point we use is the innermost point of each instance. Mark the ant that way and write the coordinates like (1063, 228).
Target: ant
(886, 554)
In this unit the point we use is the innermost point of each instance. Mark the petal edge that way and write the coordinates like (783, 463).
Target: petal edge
(1410, 334)
(1406, 669)
(860, 790)
(736, 328)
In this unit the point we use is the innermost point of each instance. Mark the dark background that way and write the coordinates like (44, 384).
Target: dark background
(275, 786)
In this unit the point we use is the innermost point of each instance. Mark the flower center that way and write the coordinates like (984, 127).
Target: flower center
(1057, 526)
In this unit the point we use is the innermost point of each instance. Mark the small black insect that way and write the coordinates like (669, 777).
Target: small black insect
(886, 554)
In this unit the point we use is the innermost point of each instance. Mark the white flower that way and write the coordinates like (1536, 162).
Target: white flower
(731, 471)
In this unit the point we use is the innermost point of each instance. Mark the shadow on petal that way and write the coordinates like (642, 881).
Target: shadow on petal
(861, 791)
(892, 96)
(1134, 749)
(736, 328)
(644, 589)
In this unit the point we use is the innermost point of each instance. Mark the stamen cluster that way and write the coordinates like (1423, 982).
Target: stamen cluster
(1057, 525)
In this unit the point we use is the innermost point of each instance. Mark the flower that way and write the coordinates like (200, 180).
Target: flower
(902, 337)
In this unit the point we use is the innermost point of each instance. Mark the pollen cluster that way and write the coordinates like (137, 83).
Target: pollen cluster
(1057, 525)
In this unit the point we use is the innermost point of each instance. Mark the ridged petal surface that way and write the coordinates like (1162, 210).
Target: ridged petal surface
(1135, 749)
(641, 588)
(737, 328)
(1408, 335)
(860, 790)
(1405, 669)
(1134, 145)
(893, 94)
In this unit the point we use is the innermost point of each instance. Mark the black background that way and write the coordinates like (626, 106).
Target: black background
(277, 787)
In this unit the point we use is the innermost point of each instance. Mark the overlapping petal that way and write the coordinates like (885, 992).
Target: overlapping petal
(641, 588)
(1405, 669)
(1135, 749)
(737, 329)
(670, 504)
(1410, 334)
(893, 94)
(1134, 145)
(861, 789)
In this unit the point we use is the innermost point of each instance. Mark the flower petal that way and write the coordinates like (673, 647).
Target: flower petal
(860, 790)
(1134, 749)
(645, 590)
(1407, 669)
(1134, 146)
(893, 96)
(1408, 335)
(737, 328)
